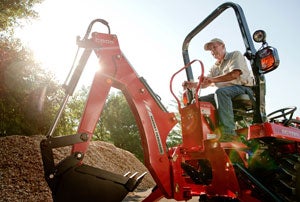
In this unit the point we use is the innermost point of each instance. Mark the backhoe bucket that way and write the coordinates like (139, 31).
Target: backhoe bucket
(85, 183)
(71, 180)
(82, 182)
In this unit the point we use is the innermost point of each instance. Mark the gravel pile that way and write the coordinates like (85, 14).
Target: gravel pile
(22, 175)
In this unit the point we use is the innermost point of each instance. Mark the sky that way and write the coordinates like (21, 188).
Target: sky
(151, 34)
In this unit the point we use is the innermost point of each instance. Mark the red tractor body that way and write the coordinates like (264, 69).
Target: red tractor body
(201, 166)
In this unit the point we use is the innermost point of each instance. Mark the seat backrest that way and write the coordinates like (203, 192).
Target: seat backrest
(243, 108)
(242, 102)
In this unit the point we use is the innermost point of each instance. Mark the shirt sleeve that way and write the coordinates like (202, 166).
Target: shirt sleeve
(237, 62)
(213, 71)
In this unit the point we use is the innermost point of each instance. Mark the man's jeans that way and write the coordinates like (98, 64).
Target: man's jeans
(222, 100)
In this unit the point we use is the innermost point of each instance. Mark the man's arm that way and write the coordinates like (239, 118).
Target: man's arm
(223, 78)
(207, 81)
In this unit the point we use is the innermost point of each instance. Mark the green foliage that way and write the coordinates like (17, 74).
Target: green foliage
(175, 137)
(71, 115)
(119, 122)
(27, 92)
(14, 11)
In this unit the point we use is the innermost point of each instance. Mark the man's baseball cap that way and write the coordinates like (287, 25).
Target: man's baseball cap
(206, 46)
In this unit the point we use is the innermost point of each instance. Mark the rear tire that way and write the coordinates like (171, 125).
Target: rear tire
(288, 178)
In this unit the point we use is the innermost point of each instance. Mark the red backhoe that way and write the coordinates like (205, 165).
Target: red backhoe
(263, 166)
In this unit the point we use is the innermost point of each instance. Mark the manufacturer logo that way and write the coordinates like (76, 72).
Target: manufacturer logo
(104, 41)
(155, 130)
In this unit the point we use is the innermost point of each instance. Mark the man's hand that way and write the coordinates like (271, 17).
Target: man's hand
(189, 84)
(207, 81)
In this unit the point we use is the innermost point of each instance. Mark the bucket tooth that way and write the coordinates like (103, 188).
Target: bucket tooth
(127, 174)
(134, 181)
(133, 175)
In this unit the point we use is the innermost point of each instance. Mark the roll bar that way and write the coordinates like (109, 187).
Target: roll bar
(242, 24)
(259, 88)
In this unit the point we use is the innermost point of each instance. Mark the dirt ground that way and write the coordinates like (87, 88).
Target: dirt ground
(22, 175)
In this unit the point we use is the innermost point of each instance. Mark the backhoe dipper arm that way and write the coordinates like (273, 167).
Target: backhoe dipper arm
(148, 111)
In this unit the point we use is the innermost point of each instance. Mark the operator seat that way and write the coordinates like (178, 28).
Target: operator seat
(243, 107)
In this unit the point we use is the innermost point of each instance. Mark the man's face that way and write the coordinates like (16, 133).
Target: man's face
(217, 50)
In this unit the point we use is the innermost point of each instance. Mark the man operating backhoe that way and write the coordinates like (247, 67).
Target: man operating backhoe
(232, 77)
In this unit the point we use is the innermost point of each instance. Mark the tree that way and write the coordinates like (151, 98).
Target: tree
(27, 92)
(13, 12)
(119, 122)
(175, 136)
(72, 113)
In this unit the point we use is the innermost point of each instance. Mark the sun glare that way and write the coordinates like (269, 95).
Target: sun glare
(52, 38)
(54, 50)
(51, 52)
